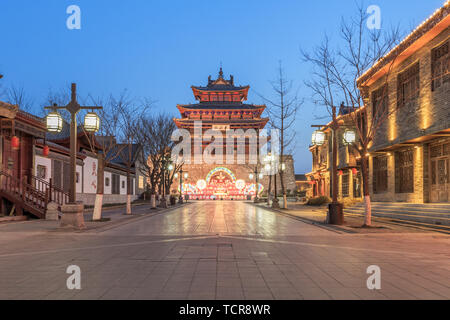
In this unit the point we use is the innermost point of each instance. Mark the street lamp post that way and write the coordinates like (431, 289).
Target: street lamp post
(165, 171)
(257, 175)
(170, 168)
(272, 165)
(180, 174)
(335, 209)
(73, 210)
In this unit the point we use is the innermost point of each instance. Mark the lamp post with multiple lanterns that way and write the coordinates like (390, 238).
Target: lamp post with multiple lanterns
(335, 209)
(54, 124)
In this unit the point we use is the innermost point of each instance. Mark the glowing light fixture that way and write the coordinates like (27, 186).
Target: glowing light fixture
(15, 142)
(201, 184)
(349, 137)
(91, 122)
(45, 151)
(318, 138)
(54, 122)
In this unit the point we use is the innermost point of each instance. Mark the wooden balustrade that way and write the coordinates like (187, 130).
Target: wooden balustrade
(54, 193)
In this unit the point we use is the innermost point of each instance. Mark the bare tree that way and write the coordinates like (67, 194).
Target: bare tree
(59, 97)
(282, 110)
(18, 96)
(154, 134)
(104, 144)
(335, 82)
(130, 114)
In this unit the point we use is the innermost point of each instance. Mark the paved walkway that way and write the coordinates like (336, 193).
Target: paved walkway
(222, 250)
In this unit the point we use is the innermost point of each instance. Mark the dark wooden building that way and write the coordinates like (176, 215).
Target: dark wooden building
(18, 133)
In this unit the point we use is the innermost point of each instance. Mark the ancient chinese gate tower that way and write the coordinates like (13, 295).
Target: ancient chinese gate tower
(220, 107)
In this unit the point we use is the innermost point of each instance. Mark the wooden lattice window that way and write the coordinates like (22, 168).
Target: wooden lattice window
(380, 174)
(446, 149)
(41, 171)
(436, 151)
(433, 172)
(345, 185)
(380, 102)
(408, 85)
(404, 171)
(440, 66)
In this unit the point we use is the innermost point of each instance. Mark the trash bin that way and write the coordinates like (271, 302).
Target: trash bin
(335, 213)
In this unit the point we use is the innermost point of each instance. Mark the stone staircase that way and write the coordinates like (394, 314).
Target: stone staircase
(435, 215)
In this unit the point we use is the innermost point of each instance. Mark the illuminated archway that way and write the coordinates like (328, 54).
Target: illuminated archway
(218, 169)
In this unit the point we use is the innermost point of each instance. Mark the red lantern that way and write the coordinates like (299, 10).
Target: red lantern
(45, 151)
(15, 143)
(354, 171)
(340, 172)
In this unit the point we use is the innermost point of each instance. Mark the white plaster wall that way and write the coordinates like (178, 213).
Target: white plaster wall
(43, 161)
(90, 175)
(80, 181)
(123, 190)
(107, 189)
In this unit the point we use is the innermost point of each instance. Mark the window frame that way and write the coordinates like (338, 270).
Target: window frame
(380, 177)
(440, 61)
(408, 84)
(404, 171)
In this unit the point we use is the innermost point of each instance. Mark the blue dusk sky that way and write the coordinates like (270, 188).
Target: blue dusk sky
(158, 49)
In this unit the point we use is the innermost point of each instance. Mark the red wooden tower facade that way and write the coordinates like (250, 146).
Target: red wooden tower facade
(220, 107)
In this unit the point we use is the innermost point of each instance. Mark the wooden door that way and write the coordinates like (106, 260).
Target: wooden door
(442, 179)
(440, 182)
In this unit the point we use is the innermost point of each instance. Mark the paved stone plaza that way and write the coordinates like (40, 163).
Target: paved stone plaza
(219, 250)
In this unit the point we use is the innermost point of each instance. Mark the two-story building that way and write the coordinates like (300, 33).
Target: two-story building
(410, 155)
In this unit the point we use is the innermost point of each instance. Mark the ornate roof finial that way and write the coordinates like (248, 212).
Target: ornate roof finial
(221, 72)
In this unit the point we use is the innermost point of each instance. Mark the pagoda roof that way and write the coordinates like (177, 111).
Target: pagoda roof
(220, 105)
(261, 122)
(221, 88)
(220, 85)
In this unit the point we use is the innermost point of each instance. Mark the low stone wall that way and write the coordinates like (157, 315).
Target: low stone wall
(89, 198)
